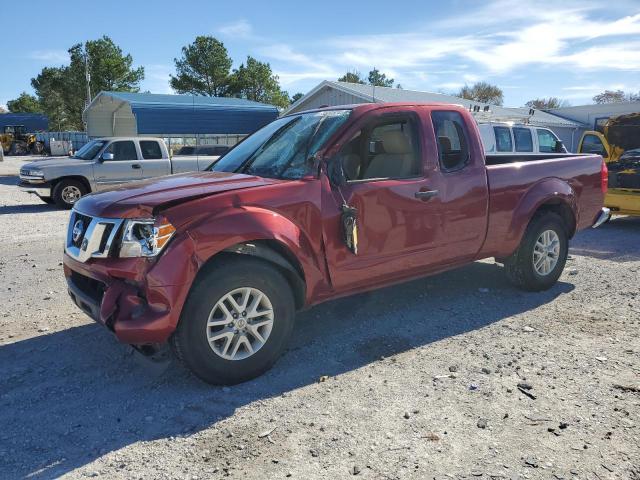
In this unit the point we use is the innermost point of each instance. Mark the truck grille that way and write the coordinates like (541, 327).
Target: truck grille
(90, 237)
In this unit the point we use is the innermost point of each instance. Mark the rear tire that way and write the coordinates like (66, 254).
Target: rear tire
(67, 192)
(539, 260)
(211, 359)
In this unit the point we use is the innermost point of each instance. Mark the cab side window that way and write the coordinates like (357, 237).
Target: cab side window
(503, 139)
(522, 137)
(150, 150)
(387, 149)
(452, 138)
(123, 150)
(547, 141)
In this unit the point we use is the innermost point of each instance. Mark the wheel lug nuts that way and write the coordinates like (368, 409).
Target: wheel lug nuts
(244, 314)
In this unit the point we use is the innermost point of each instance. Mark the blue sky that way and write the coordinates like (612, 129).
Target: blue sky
(530, 49)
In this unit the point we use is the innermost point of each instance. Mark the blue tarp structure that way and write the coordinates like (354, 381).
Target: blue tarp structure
(33, 122)
(158, 114)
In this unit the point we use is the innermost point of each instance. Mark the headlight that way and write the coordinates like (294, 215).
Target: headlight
(31, 173)
(145, 238)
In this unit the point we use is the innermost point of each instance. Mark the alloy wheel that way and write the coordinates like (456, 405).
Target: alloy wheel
(240, 323)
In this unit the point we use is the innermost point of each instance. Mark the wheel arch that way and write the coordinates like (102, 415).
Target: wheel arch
(273, 252)
(79, 178)
(549, 195)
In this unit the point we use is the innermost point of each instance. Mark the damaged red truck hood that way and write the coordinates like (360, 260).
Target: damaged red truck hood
(140, 199)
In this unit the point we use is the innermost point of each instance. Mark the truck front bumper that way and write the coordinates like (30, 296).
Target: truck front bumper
(602, 217)
(40, 189)
(124, 298)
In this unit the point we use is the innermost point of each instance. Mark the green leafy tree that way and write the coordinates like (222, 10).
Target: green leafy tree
(254, 80)
(25, 103)
(297, 97)
(203, 68)
(352, 77)
(50, 86)
(616, 96)
(482, 92)
(379, 79)
(62, 90)
(547, 103)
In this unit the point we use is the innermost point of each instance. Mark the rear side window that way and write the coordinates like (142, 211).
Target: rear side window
(547, 141)
(453, 143)
(522, 137)
(503, 139)
(123, 150)
(150, 150)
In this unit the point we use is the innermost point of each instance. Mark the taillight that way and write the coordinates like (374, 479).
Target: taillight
(604, 177)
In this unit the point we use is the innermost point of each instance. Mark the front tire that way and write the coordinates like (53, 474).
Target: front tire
(539, 260)
(67, 192)
(236, 322)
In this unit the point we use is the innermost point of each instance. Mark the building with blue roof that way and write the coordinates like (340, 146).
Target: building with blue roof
(33, 122)
(181, 119)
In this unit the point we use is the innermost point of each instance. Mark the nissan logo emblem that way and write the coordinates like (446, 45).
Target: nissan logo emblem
(76, 233)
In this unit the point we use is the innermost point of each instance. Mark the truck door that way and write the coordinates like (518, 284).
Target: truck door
(459, 174)
(153, 163)
(383, 162)
(118, 164)
(594, 142)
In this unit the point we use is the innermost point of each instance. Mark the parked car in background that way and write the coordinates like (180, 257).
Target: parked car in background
(619, 145)
(214, 150)
(507, 139)
(104, 163)
(314, 206)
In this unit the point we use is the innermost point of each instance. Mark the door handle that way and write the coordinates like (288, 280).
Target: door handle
(136, 166)
(425, 195)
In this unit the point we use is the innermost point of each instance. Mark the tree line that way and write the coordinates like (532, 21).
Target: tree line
(203, 68)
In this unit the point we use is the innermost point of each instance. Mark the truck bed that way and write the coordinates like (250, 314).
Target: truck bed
(502, 159)
(514, 184)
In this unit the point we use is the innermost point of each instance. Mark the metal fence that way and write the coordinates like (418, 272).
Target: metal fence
(77, 139)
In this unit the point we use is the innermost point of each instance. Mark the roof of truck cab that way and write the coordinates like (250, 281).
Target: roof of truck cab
(362, 107)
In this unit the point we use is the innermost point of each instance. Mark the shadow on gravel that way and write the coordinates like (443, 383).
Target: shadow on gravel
(616, 240)
(36, 208)
(8, 179)
(70, 397)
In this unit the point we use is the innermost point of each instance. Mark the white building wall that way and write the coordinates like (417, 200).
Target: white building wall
(589, 114)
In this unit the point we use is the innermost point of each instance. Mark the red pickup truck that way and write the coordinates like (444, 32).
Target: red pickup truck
(314, 206)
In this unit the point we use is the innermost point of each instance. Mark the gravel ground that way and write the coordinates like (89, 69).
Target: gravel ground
(453, 376)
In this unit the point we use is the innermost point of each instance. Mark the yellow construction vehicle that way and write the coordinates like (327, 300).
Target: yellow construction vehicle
(619, 144)
(16, 141)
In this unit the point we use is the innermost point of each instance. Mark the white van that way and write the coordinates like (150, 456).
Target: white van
(508, 138)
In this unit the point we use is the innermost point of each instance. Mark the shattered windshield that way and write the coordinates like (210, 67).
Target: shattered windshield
(282, 148)
(90, 150)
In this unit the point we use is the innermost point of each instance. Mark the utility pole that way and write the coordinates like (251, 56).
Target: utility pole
(87, 76)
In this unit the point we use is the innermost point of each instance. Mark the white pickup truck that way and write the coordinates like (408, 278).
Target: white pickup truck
(104, 163)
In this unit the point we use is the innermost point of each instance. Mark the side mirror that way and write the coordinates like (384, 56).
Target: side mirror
(335, 172)
(559, 148)
(107, 156)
